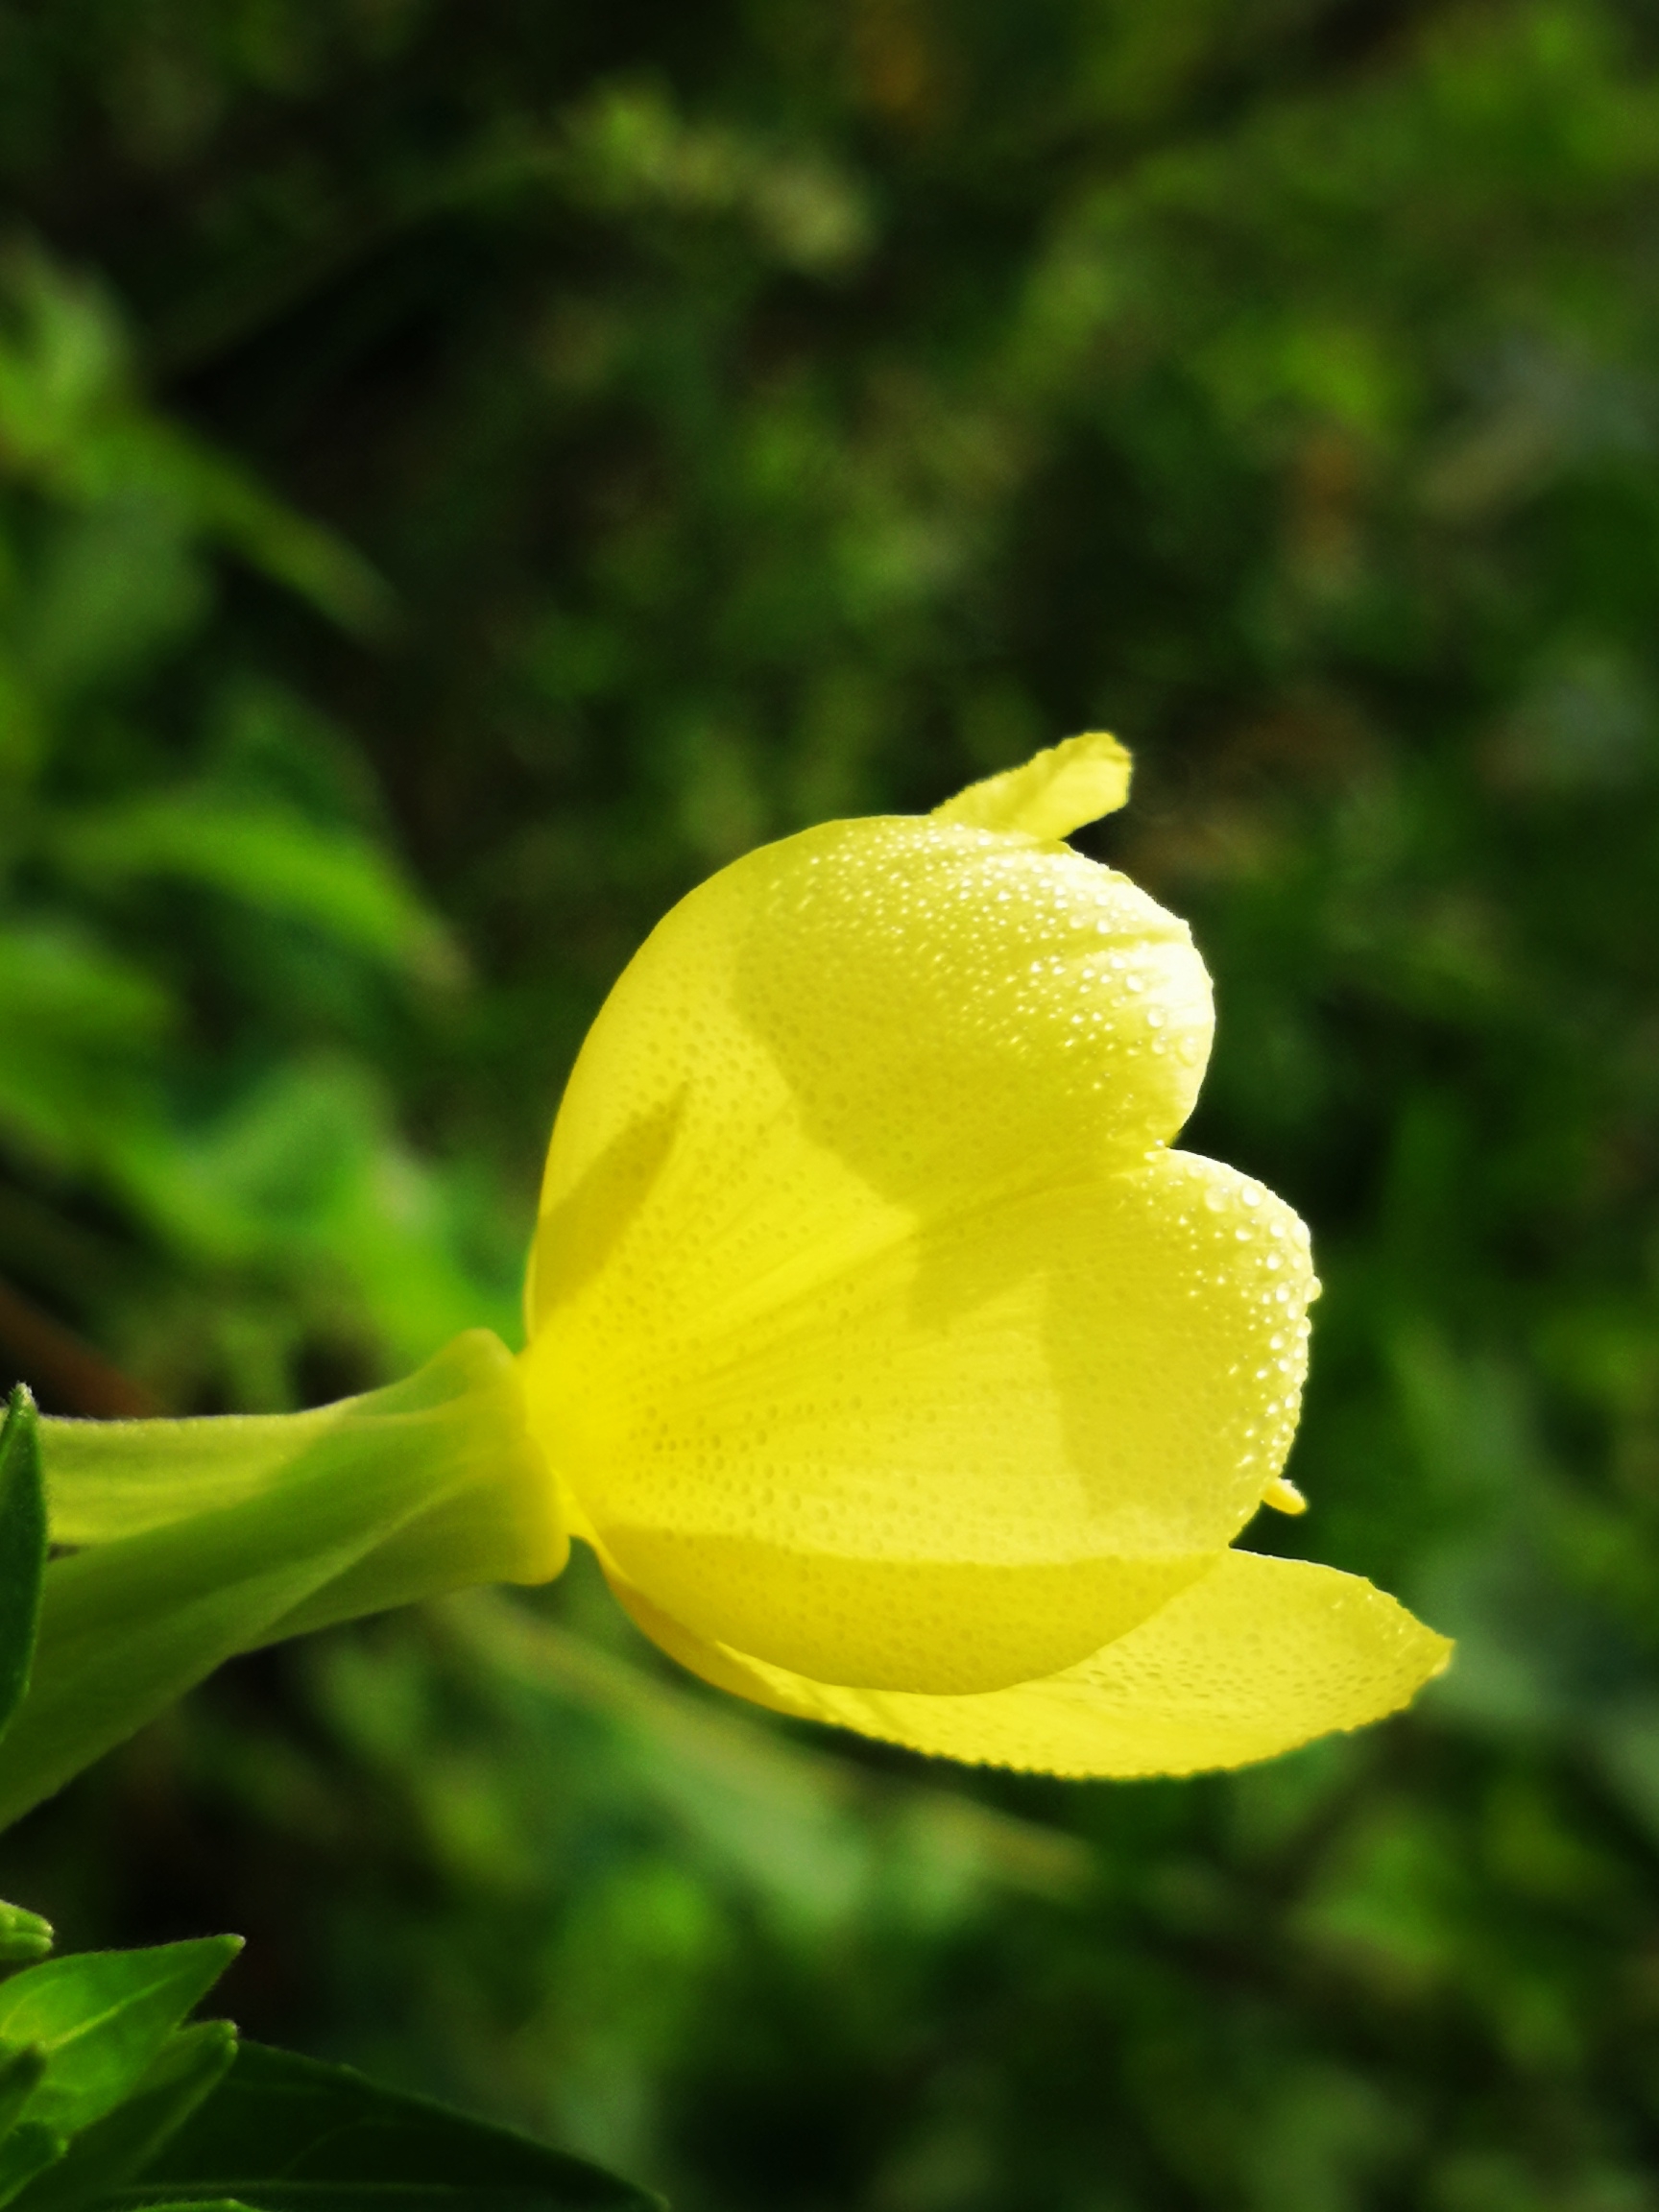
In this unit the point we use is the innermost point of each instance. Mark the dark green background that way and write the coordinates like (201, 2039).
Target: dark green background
(467, 467)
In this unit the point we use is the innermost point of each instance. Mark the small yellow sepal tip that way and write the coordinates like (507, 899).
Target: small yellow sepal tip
(1055, 792)
(1283, 1497)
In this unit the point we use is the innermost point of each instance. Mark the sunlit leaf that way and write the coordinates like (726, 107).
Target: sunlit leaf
(101, 2018)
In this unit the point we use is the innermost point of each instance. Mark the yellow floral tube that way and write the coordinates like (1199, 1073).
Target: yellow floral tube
(898, 1370)
(181, 1543)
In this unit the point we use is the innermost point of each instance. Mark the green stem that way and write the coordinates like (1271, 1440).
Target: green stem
(201, 1539)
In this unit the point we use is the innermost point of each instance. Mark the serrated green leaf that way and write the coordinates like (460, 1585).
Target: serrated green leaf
(24, 1936)
(284, 2132)
(27, 2152)
(103, 2019)
(22, 1548)
(189, 2067)
(21, 2066)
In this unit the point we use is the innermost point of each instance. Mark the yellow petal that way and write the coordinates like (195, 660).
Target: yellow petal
(852, 1029)
(1258, 1656)
(961, 1460)
(895, 1624)
(1054, 793)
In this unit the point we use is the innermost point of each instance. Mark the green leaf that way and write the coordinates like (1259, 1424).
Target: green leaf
(82, 1026)
(270, 856)
(119, 586)
(189, 2067)
(284, 2133)
(199, 2204)
(74, 424)
(28, 2150)
(103, 2019)
(24, 1936)
(21, 2068)
(22, 1553)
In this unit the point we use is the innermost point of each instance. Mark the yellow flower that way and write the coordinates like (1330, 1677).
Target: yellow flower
(897, 1369)
(899, 1372)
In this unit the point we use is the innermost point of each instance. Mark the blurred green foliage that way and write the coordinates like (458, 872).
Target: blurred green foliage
(207, 935)
(464, 472)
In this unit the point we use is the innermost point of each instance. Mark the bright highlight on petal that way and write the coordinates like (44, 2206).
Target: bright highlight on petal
(877, 1340)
